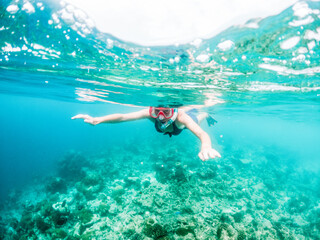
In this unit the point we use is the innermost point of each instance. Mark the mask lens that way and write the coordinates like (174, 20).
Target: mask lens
(157, 111)
(167, 112)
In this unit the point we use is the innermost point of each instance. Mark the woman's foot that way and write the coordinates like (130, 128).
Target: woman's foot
(210, 120)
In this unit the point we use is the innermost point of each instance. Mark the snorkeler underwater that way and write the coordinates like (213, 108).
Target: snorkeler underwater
(110, 137)
(167, 120)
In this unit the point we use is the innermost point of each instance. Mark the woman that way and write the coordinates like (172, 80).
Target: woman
(167, 120)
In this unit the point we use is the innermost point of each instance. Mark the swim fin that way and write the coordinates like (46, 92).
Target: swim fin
(211, 121)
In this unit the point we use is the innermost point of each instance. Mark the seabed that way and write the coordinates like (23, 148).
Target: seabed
(152, 193)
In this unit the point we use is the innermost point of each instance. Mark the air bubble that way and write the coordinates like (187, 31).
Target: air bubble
(12, 9)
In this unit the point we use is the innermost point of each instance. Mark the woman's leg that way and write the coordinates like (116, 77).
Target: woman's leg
(201, 116)
(212, 99)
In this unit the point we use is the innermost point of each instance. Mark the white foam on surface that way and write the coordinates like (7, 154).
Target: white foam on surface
(27, 6)
(287, 71)
(305, 21)
(12, 9)
(226, 45)
(290, 43)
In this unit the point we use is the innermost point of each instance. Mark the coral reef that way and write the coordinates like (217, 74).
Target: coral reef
(71, 166)
(169, 196)
(154, 230)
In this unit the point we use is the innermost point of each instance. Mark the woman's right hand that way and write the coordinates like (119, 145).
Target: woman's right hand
(208, 153)
(87, 119)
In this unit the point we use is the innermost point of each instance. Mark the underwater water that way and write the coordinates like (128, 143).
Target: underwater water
(64, 179)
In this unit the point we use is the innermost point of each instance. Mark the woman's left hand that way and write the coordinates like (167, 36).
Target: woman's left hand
(207, 153)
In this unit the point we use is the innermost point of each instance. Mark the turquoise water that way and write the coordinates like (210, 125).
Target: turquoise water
(64, 179)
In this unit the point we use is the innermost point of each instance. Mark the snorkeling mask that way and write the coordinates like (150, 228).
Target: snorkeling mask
(155, 112)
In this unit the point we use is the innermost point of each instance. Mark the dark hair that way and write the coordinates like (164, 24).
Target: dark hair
(175, 105)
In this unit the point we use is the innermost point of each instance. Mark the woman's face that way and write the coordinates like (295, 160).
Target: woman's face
(162, 119)
(162, 114)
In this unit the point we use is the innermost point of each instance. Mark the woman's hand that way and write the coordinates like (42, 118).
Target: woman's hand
(207, 153)
(87, 119)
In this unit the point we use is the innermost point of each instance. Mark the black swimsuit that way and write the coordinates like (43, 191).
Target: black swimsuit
(176, 130)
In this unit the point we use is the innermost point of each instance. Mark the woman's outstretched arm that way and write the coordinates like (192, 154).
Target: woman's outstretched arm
(114, 118)
(206, 151)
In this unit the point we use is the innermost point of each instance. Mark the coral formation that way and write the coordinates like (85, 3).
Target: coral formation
(169, 197)
(56, 184)
(154, 230)
(70, 167)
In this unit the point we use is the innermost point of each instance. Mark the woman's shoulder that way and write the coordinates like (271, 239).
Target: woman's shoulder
(180, 121)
